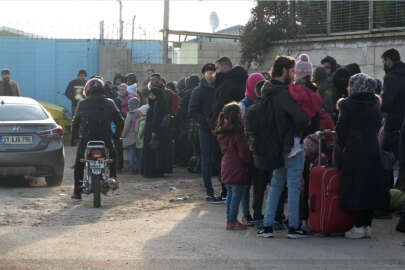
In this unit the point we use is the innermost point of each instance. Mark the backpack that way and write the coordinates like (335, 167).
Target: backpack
(263, 137)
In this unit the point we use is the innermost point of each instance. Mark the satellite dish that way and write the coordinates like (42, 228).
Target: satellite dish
(214, 21)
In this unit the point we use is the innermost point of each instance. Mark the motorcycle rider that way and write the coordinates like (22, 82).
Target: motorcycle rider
(93, 119)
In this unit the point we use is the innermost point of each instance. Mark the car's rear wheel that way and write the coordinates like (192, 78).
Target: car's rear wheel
(54, 180)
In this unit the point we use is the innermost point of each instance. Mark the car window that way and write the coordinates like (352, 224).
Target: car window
(21, 112)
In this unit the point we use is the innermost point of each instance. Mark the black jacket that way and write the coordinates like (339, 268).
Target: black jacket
(394, 97)
(93, 118)
(271, 125)
(229, 86)
(200, 106)
(357, 128)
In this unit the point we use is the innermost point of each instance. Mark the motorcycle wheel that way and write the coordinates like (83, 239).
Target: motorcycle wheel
(96, 186)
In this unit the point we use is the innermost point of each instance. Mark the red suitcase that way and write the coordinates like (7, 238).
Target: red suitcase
(325, 214)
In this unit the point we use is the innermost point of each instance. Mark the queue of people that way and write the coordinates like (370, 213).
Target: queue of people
(260, 129)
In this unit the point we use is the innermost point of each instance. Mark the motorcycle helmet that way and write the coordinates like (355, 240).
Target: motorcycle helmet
(94, 85)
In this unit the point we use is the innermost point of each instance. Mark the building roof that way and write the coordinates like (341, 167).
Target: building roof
(11, 32)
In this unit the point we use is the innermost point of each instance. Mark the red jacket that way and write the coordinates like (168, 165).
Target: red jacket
(309, 101)
(236, 160)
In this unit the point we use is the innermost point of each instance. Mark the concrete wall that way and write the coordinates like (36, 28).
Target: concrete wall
(113, 60)
(365, 50)
(210, 52)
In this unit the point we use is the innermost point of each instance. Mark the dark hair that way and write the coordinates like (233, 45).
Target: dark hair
(231, 113)
(171, 86)
(392, 54)
(281, 62)
(353, 69)
(259, 86)
(118, 76)
(5, 71)
(82, 71)
(332, 61)
(225, 61)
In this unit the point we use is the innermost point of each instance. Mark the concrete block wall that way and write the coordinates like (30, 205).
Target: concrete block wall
(366, 51)
(210, 52)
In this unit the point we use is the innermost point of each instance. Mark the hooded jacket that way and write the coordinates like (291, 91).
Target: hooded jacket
(309, 101)
(394, 97)
(200, 107)
(250, 92)
(229, 86)
(236, 158)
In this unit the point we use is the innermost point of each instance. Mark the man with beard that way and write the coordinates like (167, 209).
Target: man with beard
(7, 86)
(74, 91)
(230, 85)
(393, 104)
(282, 120)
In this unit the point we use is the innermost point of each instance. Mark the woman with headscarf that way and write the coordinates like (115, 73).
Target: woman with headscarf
(154, 159)
(357, 128)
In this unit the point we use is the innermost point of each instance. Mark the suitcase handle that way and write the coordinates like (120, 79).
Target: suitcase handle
(321, 135)
(312, 203)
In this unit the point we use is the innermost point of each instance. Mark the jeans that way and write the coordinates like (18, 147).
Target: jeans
(206, 144)
(246, 202)
(234, 197)
(292, 173)
(134, 158)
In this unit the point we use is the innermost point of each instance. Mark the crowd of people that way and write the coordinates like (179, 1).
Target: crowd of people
(260, 129)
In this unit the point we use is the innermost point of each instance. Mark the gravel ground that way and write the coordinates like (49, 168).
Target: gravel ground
(161, 224)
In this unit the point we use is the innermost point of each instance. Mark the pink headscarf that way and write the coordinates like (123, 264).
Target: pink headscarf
(252, 80)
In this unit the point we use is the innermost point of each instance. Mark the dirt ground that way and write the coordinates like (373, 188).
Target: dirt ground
(162, 224)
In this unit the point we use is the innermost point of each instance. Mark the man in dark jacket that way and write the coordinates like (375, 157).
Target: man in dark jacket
(230, 85)
(93, 118)
(288, 120)
(8, 87)
(200, 110)
(393, 99)
(74, 87)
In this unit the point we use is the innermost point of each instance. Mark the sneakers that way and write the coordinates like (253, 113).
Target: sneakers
(357, 233)
(76, 197)
(296, 233)
(267, 232)
(214, 200)
(248, 221)
(235, 226)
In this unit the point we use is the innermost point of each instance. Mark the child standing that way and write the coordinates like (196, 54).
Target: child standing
(236, 161)
(143, 110)
(129, 133)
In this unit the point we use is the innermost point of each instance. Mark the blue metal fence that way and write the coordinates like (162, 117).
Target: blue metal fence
(44, 67)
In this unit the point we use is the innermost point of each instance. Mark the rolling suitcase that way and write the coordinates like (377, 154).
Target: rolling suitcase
(325, 214)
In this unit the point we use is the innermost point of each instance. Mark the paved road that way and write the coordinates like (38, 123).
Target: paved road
(149, 225)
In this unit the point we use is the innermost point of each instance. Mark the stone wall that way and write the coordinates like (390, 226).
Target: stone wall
(365, 50)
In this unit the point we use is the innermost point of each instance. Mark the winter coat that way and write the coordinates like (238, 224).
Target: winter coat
(362, 175)
(394, 97)
(309, 101)
(9, 88)
(93, 118)
(155, 151)
(130, 129)
(140, 133)
(326, 90)
(200, 106)
(236, 159)
(229, 86)
(289, 115)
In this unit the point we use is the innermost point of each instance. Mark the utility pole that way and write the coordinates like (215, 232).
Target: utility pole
(166, 32)
(121, 23)
(133, 32)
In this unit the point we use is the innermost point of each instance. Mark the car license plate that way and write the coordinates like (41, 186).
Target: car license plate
(15, 140)
(96, 164)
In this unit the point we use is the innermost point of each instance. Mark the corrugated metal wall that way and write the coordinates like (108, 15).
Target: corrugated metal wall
(44, 67)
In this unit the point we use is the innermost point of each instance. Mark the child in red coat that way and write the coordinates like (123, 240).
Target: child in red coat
(236, 161)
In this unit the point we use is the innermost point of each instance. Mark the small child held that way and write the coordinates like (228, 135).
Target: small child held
(235, 163)
(305, 94)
